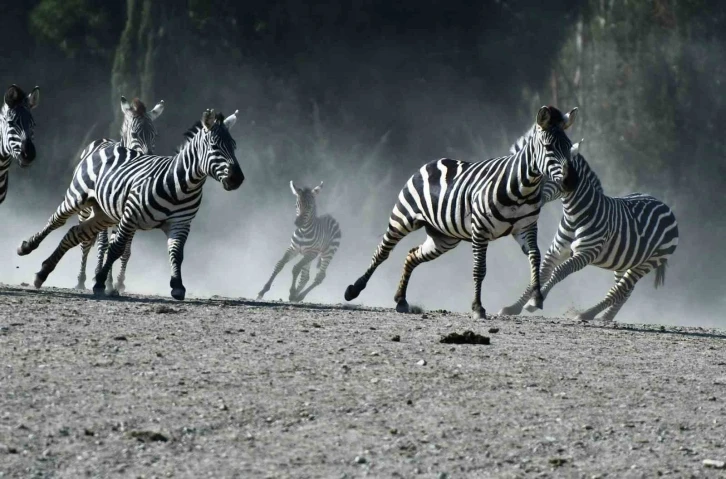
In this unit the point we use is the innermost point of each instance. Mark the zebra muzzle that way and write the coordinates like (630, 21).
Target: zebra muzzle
(27, 152)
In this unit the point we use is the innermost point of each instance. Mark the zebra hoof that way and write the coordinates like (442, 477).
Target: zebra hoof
(402, 306)
(585, 316)
(39, 280)
(80, 286)
(24, 249)
(112, 293)
(479, 313)
(259, 297)
(178, 293)
(120, 287)
(293, 298)
(351, 292)
(532, 305)
(99, 290)
(512, 310)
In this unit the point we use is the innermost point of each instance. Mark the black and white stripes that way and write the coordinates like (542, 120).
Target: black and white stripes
(630, 235)
(478, 202)
(137, 133)
(16, 132)
(314, 237)
(142, 192)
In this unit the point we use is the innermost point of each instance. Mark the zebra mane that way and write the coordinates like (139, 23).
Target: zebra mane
(137, 107)
(14, 96)
(522, 140)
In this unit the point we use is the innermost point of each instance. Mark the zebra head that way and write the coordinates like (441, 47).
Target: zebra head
(17, 125)
(138, 131)
(305, 209)
(551, 145)
(219, 159)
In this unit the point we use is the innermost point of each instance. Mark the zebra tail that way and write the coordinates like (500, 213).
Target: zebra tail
(660, 272)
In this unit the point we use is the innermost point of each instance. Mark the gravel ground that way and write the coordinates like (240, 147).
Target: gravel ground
(148, 387)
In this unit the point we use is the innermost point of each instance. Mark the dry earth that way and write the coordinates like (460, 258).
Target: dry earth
(148, 387)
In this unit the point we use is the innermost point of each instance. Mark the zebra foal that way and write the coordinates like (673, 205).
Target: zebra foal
(137, 133)
(629, 235)
(314, 237)
(143, 192)
(17, 128)
(478, 202)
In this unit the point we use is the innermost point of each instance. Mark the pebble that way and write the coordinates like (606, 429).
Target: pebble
(714, 464)
(422, 362)
(360, 460)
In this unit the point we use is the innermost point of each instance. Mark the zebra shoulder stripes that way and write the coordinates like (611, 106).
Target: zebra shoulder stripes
(477, 202)
(143, 192)
(17, 127)
(630, 235)
(314, 237)
(137, 133)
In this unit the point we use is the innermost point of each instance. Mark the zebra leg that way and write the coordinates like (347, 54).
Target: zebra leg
(558, 251)
(301, 265)
(323, 264)
(115, 249)
(618, 294)
(434, 246)
(479, 247)
(176, 238)
(390, 240)
(85, 249)
(70, 206)
(304, 278)
(290, 253)
(120, 285)
(578, 261)
(85, 231)
(110, 290)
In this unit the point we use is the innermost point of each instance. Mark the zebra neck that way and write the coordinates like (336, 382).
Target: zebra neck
(186, 170)
(308, 225)
(530, 178)
(587, 189)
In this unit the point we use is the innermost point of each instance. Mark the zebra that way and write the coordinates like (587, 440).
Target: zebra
(314, 237)
(16, 132)
(137, 133)
(629, 235)
(143, 192)
(477, 202)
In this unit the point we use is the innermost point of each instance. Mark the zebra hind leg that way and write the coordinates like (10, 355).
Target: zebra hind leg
(390, 239)
(304, 278)
(434, 246)
(85, 249)
(618, 294)
(85, 231)
(65, 210)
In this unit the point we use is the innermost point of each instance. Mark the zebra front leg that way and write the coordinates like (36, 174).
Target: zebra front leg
(578, 261)
(320, 275)
(125, 229)
(120, 280)
(434, 246)
(68, 208)
(304, 278)
(290, 253)
(85, 231)
(301, 265)
(479, 248)
(390, 240)
(617, 295)
(176, 238)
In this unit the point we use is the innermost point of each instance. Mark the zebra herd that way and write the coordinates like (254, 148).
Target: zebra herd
(124, 185)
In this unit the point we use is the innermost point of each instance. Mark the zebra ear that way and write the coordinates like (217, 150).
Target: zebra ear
(231, 120)
(208, 119)
(317, 189)
(569, 118)
(543, 117)
(34, 97)
(125, 105)
(575, 149)
(292, 187)
(157, 110)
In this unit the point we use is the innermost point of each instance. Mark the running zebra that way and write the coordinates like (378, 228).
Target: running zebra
(143, 192)
(630, 235)
(477, 202)
(314, 237)
(137, 133)
(16, 132)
